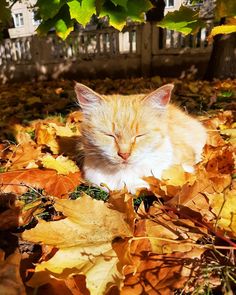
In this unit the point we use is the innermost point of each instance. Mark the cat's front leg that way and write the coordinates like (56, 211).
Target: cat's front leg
(134, 186)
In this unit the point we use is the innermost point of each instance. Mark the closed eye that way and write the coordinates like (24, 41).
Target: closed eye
(140, 135)
(110, 135)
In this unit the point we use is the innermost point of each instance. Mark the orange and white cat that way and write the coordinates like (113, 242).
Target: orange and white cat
(127, 138)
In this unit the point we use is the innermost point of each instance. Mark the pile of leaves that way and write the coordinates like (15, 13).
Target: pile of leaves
(22, 103)
(61, 235)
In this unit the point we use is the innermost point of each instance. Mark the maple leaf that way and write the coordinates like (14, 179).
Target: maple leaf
(22, 155)
(47, 133)
(169, 233)
(50, 181)
(10, 280)
(84, 239)
(223, 205)
(63, 165)
(150, 273)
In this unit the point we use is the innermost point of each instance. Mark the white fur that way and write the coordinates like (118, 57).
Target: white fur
(131, 175)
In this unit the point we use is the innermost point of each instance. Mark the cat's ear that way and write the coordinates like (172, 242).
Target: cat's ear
(160, 97)
(86, 97)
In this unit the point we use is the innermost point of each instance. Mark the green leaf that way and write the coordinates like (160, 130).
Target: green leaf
(61, 22)
(49, 9)
(63, 29)
(118, 14)
(99, 4)
(5, 14)
(82, 12)
(136, 9)
(184, 20)
(122, 3)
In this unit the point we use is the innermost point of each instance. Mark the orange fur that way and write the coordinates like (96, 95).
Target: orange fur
(151, 133)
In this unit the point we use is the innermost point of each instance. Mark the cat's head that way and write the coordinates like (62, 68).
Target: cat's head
(122, 129)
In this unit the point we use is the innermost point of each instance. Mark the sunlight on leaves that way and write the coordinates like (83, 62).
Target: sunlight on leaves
(82, 11)
(62, 164)
(184, 20)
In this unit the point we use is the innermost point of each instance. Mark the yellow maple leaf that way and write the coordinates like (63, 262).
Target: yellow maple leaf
(224, 206)
(175, 175)
(223, 29)
(63, 165)
(84, 239)
(47, 133)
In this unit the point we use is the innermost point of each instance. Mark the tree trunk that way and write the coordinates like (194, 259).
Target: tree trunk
(222, 64)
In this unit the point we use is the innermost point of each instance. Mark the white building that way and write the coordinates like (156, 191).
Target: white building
(23, 19)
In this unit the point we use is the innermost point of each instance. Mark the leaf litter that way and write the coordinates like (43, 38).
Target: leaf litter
(177, 237)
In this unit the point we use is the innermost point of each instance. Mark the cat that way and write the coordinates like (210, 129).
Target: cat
(126, 138)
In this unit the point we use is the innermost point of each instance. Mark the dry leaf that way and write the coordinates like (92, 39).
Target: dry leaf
(63, 165)
(22, 155)
(223, 205)
(10, 210)
(20, 181)
(10, 280)
(84, 240)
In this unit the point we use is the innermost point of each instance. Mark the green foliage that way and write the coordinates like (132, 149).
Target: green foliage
(5, 15)
(83, 11)
(61, 22)
(4, 11)
(61, 15)
(93, 192)
(184, 20)
(49, 9)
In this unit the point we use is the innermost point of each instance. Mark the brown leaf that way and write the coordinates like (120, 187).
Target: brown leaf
(55, 287)
(151, 273)
(10, 280)
(9, 211)
(219, 160)
(20, 181)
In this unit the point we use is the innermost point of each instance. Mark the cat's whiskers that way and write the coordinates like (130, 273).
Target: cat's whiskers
(127, 138)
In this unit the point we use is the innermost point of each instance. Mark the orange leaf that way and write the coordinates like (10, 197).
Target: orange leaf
(22, 155)
(19, 181)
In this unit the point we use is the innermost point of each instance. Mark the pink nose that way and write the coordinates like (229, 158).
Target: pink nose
(124, 156)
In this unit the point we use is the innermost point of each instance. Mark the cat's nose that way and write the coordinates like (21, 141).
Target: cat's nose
(124, 156)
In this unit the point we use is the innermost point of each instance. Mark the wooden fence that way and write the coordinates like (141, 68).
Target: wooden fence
(137, 50)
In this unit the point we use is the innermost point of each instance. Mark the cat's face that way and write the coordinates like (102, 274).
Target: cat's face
(122, 130)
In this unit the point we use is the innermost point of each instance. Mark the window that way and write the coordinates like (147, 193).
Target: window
(18, 20)
(169, 3)
(36, 22)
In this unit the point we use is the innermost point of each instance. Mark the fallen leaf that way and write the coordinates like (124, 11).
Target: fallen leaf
(63, 165)
(10, 280)
(84, 240)
(223, 205)
(20, 181)
(10, 210)
(22, 155)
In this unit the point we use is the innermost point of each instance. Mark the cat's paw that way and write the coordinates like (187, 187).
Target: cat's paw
(188, 168)
(137, 186)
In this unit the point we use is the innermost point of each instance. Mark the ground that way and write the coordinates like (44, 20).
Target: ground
(177, 237)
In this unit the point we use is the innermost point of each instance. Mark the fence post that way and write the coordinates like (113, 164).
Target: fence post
(34, 49)
(146, 49)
